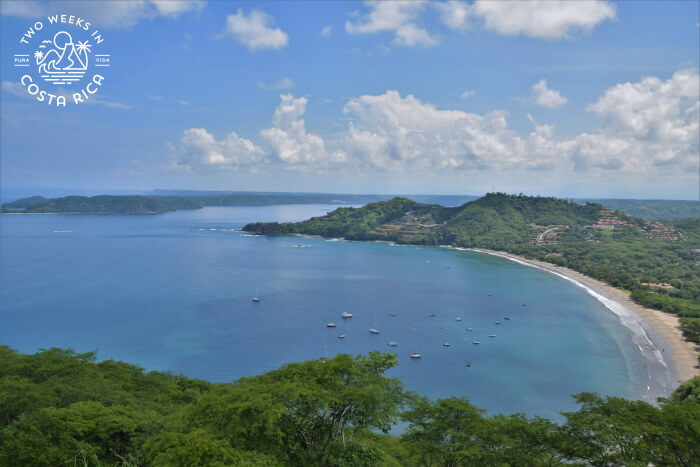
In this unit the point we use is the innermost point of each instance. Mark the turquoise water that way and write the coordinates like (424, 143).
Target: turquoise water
(173, 292)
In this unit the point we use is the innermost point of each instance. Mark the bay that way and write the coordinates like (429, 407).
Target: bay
(172, 292)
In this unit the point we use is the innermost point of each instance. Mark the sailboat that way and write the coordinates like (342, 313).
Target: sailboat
(255, 298)
(374, 330)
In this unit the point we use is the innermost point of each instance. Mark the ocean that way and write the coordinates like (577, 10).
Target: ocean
(172, 292)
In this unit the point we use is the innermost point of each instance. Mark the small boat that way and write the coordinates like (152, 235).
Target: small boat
(392, 344)
(446, 344)
(373, 331)
(490, 295)
(392, 314)
(256, 299)
(470, 329)
(492, 335)
(507, 318)
(431, 314)
(468, 364)
(524, 304)
(458, 319)
(476, 342)
(341, 336)
(415, 355)
(330, 325)
(496, 322)
(346, 315)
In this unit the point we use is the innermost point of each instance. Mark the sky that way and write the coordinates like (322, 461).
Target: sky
(563, 98)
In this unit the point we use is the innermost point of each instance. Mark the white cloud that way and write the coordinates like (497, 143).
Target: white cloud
(281, 85)
(545, 97)
(398, 17)
(467, 94)
(650, 127)
(326, 31)
(183, 102)
(118, 14)
(391, 132)
(255, 30)
(454, 13)
(660, 118)
(198, 147)
(542, 19)
(291, 143)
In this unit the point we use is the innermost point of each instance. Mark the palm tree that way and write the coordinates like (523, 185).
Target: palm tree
(84, 47)
(38, 55)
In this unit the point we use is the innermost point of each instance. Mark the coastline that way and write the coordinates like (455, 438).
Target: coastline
(670, 359)
(660, 330)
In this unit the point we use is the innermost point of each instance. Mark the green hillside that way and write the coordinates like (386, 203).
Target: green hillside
(621, 250)
(122, 204)
(58, 407)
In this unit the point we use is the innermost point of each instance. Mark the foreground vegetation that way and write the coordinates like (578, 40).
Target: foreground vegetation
(623, 251)
(58, 407)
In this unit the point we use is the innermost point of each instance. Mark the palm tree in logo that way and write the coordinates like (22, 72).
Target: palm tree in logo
(83, 47)
(38, 55)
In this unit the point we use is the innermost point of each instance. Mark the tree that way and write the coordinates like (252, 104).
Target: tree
(306, 413)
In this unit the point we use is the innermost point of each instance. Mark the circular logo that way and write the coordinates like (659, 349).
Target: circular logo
(62, 60)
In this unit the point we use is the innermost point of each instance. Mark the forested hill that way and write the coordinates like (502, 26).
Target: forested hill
(122, 204)
(492, 221)
(657, 262)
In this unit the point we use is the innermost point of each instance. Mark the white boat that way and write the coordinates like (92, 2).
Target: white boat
(415, 355)
(330, 325)
(476, 342)
(342, 336)
(458, 319)
(470, 329)
(373, 331)
(446, 344)
(392, 344)
(492, 335)
(392, 314)
(255, 298)
(346, 315)
(496, 322)
(431, 314)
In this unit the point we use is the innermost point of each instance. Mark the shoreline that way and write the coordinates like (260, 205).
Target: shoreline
(652, 329)
(675, 363)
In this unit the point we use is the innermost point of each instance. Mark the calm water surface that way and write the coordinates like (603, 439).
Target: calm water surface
(173, 292)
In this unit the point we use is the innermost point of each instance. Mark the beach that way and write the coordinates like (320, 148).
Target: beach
(677, 358)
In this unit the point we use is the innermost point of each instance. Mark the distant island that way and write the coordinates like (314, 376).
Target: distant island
(123, 204)
(657, 262)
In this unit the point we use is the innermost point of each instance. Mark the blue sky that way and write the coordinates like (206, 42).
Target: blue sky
(591, 99)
